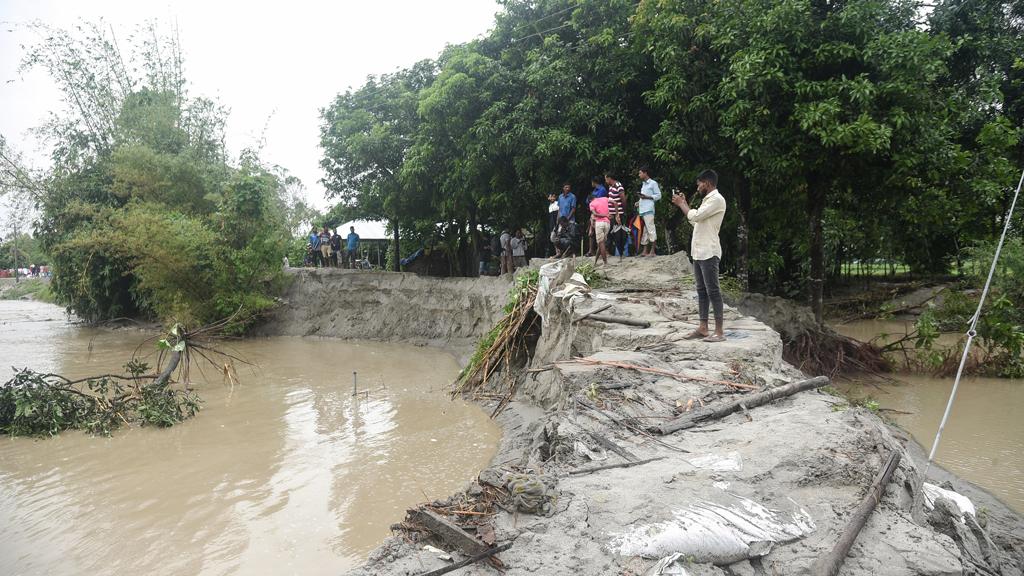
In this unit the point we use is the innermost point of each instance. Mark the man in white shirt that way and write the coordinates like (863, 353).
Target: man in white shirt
(706, 251)
(553, 221)
(506, 252)
(650, 193)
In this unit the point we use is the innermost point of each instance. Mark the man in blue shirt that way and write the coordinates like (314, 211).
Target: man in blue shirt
(314, 241)
(650, 193)
(567, 203)
(351, 245)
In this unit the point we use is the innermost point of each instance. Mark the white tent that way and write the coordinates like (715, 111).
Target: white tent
(367, 229)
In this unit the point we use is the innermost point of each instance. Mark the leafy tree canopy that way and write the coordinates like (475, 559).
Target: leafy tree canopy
(819, 116)
(143, 213)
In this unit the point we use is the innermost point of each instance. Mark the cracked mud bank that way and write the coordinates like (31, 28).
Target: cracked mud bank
(782, 478)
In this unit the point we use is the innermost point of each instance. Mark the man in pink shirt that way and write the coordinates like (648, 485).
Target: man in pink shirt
(601, 223)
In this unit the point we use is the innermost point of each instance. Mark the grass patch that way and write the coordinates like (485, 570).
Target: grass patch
(593, 277)
(35, 288)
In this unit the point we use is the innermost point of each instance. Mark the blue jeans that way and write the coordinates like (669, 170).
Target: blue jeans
(705, 275)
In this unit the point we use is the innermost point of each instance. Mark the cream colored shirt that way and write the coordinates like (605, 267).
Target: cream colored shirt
(707, 221)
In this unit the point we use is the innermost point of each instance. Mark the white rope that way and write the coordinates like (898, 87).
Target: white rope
(972, 330)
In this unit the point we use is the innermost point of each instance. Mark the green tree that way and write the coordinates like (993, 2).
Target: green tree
(366, 135)
(820, 100)
(141, 213)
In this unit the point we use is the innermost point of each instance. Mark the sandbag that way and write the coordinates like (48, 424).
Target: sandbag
(716, 533)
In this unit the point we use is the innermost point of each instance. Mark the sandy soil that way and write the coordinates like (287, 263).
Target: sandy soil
(395, 307)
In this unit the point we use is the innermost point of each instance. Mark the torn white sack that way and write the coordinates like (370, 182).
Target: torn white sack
(933, 493)
(552, 278)
(716, 533)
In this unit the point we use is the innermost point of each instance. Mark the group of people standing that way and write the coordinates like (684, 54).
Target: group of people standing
(512, 250)
(609, 226)
(324, 248)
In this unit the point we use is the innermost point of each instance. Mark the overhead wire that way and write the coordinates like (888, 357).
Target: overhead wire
(542, 32)
(972, 331)
(543, 18)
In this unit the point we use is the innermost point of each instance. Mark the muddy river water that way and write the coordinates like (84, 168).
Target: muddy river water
(283, 473)
(984, 438)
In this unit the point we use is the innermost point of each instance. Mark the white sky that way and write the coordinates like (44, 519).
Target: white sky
(273, 64)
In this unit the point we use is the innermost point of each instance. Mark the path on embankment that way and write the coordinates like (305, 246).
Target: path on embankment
(808, 457)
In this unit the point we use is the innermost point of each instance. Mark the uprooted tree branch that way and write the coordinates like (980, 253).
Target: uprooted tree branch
(38, 404)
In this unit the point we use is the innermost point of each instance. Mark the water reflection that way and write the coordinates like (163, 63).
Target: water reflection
(287, 473)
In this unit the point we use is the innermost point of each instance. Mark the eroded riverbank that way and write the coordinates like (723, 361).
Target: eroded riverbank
(804, 461)
(283, 473)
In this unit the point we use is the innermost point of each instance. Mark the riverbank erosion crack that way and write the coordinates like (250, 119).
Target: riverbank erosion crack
(762, 489)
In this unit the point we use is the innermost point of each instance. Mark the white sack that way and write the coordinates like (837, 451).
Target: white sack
(933, 493)
(711, 532)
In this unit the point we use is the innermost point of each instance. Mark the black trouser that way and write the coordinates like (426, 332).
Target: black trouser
(618, 240)
(705, 275)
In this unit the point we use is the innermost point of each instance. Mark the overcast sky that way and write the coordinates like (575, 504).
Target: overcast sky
(273, 65)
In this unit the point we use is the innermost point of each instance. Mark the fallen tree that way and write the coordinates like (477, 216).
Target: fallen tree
(44, 404)
(812, 347)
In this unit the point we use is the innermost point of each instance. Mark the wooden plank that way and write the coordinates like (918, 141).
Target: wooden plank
(612, 446)
(448, 532)
(610, 466)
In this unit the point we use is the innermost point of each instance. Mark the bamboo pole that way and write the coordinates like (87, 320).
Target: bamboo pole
(829, 564)
(487, 554)
(614, 320)
(677, 376)
(592, 312)
(745, 402)
(611, 466)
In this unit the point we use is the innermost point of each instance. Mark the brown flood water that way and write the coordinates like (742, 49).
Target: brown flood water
(984, 438)
(285, 474)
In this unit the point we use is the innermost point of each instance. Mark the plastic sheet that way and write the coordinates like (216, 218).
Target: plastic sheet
(730, 462)
(933, 493)
(716, 533)
(668, 566)
(558, 280)
(595, 455)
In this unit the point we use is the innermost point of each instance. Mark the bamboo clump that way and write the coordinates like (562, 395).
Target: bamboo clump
(505, 349)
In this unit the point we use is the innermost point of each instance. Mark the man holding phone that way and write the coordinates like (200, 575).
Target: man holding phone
(706, 251)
